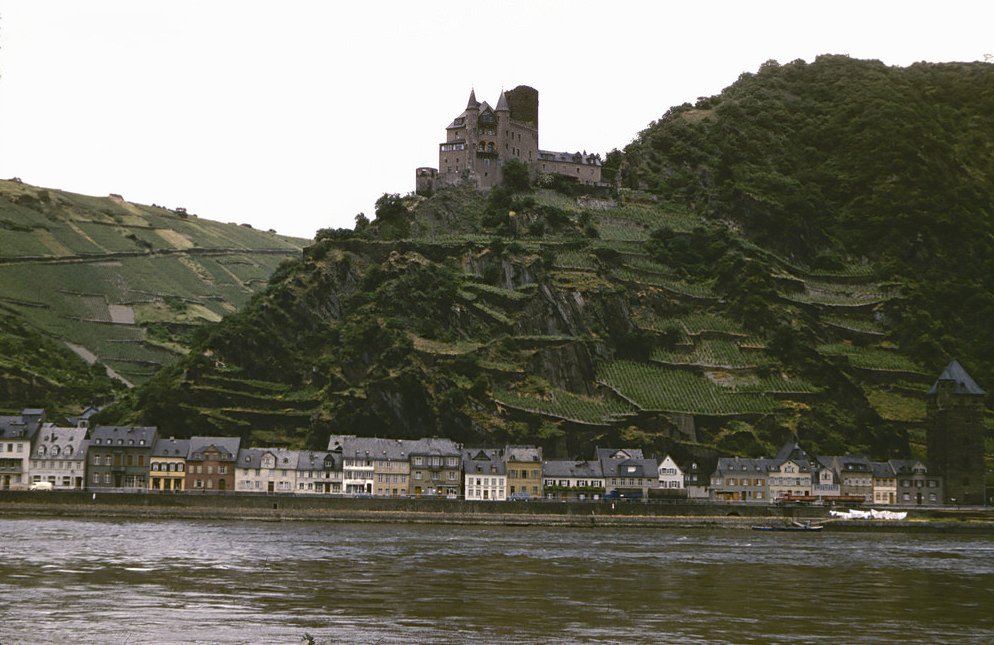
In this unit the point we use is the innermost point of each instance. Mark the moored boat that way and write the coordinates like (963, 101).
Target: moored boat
(794, 526)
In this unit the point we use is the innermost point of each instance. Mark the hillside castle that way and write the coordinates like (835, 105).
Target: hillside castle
(482, 139)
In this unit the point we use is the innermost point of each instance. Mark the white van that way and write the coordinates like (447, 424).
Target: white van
(41, 486)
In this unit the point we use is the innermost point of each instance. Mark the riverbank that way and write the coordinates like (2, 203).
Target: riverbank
(430, 511)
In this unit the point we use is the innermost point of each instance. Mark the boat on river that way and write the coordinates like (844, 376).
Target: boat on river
(793, 526)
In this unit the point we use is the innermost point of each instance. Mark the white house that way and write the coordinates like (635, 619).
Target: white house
(266, 470)
(670, 475)
(59, 457)
(485, 474)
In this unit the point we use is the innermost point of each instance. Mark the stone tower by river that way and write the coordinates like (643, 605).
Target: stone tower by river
(955, 434)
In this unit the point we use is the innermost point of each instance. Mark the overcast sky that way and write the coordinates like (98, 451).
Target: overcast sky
(298, 114)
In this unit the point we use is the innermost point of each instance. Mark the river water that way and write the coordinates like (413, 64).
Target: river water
(147, 581)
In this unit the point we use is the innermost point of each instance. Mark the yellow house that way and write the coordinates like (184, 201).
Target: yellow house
(167, 465)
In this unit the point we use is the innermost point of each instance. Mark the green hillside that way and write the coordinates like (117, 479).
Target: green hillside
(802, 253)
(121, 284)
(578, 328)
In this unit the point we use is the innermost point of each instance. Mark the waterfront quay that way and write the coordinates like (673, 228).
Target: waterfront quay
(269, 507)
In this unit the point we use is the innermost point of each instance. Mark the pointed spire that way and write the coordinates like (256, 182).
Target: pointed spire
(502, 103)
(963, 383)
(473, 103)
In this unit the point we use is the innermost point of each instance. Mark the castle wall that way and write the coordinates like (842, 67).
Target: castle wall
(586, 169)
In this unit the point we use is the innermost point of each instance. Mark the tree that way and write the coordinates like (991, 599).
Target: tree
(516, 177)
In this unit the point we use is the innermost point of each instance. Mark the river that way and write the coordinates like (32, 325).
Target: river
(148, 581)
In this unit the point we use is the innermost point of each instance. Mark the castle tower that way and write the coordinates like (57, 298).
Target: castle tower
(955, 435)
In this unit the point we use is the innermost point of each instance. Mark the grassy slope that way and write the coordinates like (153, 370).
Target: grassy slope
(121, 282)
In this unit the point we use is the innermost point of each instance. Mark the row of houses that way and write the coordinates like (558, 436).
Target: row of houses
(135, 458)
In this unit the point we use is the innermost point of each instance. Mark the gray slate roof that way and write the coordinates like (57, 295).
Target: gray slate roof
(483, 461)
(23, 426)
(252, 457)
(71, 442)
(227, 446)
(852, 463)
(964, 384)
(171, 448)
(521, 454)
(626, 462)
(744, 464)
(882, 469)
(124, 436)
(319, 460)
(581, 469)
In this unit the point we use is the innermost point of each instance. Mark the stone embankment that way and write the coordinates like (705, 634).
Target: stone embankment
(270, 508)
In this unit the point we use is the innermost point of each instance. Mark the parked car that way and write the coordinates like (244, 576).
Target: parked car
(41, 486)
(518, 497)
(624, 495)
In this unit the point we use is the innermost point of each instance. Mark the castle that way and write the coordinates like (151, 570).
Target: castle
(482, 139)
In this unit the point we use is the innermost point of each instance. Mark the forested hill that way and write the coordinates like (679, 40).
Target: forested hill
(800, 254)
(846, 160)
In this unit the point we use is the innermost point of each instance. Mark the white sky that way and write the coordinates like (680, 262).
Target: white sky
(297, 114)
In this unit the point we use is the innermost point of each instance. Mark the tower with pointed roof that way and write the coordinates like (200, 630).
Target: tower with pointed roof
(955, 434)
(482, 139)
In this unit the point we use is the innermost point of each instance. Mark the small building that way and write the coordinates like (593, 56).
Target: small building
(266, 470)
(671, 476)
(793, 472)
(856, 475)
(167, 471)
(524, 471)
(319, 473)
(118, 457)
(884, 483)
(485, 474)
(697, 481)
(572, 479)
(211, 463)
(628, 469)
(742, 479)
(59, 457)
(825, 481)
(915, 484)
(436, 468)
(17, 433)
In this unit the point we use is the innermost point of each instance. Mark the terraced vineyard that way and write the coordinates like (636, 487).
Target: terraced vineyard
(652, 387)
(120, 282)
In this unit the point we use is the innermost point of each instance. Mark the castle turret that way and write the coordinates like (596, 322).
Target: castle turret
(955, 434)
(502, 105)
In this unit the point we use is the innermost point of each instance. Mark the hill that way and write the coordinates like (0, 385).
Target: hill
(782, 260)
(122, 285)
